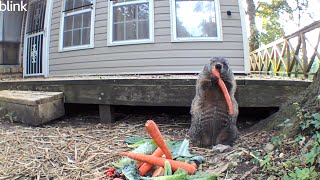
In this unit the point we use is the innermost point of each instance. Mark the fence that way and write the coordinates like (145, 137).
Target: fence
(296, 55)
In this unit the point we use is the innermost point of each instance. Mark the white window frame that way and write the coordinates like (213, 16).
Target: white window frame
(174, 37)
(63, 15)
(128, 42)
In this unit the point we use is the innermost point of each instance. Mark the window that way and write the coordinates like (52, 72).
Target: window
(77, 29)
(196, 20)
(10, 36)
(130, 22)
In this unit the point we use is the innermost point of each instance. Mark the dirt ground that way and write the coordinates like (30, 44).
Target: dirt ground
(77, 146)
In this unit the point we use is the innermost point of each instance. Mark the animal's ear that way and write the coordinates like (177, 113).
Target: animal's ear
(225, 61)
(213, 59)
(205, 67)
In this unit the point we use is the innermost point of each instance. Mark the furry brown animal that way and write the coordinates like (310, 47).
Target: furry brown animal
(211, 123)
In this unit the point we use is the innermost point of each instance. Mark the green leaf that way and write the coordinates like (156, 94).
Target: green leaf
(198, 159)
(131, 172)
(317, 136)
(137, 144)
(271, 177)
(293, 174)
(305, 125)
(311, 156)
(123, 162)
(133, 140)
(316, 116)
(286, 177)
(167, 169)
(302, 173)
(180, 174)
(203, 176)
(180, 152)
(257, 158)
(316, 124)
(181, 148)
(265, 161)
(146, 148)
(276, 140)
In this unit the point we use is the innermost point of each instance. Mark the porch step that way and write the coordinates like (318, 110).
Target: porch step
(33, 107)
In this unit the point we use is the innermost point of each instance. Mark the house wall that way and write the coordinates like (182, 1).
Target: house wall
(162, 56)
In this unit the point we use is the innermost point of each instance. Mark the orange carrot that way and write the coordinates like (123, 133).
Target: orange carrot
(154, 132)
(158, 161)
(224, 90)
(194, 164)
(145, 167)
(158, 172)
(139, 164)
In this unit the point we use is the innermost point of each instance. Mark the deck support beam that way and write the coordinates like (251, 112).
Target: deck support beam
(158, 92)
(106, 113)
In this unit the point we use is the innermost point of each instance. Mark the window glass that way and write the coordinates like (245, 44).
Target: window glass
(73, 5)
(131, 21)
(77, 23)
(196, 19)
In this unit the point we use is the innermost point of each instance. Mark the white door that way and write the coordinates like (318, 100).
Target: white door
(35, 46)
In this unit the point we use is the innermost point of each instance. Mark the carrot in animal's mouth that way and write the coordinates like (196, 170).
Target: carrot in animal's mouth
(224, 90)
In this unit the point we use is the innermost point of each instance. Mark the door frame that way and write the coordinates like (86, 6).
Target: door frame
(46, 42)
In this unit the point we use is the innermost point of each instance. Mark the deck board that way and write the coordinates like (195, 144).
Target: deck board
(157, 90)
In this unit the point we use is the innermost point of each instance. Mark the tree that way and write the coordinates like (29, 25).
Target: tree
(254, 34)
(181, 29)
(270, 12)
(301, 6)
(270, 15)
(307, 101)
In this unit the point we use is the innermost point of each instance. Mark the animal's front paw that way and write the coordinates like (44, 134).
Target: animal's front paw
(214, 79)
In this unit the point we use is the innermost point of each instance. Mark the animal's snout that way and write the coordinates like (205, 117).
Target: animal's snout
(218, 66)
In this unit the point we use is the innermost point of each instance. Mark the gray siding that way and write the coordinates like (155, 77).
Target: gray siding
(162, 56)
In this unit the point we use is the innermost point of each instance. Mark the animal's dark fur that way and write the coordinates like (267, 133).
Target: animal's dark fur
(210, 120)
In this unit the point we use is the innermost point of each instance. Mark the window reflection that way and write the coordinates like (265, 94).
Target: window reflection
(196, 18)
(71, 5)
(131, 22)
(77, 22)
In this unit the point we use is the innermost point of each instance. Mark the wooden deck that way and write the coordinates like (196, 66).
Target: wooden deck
(157, 90)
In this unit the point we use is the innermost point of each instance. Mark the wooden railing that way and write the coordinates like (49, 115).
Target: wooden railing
(296, 55)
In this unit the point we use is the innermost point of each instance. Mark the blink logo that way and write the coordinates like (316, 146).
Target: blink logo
(12, 6)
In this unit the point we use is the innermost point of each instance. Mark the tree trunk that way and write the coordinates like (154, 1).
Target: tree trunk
(254, 35)
(308, 100)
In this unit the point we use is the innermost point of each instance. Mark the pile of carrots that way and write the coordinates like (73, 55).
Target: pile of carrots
(146, 162)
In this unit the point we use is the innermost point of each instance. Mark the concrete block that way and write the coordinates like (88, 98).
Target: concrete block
(33, 107)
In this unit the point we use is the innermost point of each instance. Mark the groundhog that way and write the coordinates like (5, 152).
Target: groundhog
(211, 122)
